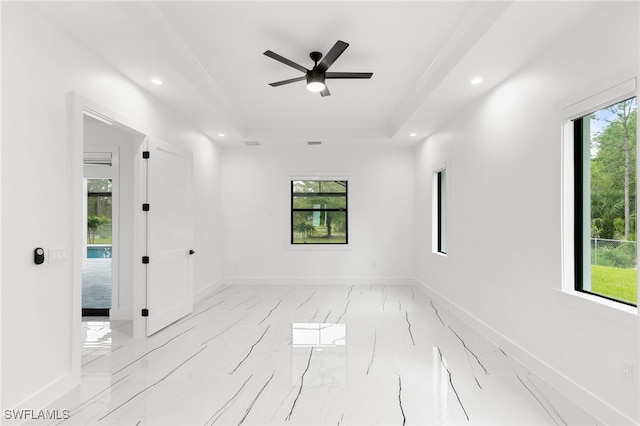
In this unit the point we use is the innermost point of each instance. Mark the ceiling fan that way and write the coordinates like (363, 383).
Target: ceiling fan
(318, 74)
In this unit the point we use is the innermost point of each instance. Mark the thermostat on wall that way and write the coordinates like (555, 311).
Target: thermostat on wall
(38, 256)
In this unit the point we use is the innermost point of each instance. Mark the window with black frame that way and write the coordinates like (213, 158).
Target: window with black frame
(605, 202)
(441, 211)
(319, 212)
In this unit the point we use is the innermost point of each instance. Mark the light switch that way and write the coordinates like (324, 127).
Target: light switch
(57, 254)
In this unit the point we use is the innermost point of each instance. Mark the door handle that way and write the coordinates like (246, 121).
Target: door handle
(191, 252)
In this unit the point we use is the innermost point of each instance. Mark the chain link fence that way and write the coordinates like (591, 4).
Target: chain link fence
(616, 253)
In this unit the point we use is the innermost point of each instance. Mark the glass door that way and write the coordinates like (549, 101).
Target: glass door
(97, 268)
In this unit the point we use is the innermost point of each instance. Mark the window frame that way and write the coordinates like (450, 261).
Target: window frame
(579, 171)
(345, 210)
(439, 211)
(569, 111)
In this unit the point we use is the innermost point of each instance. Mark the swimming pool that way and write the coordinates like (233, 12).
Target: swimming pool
(98, 251)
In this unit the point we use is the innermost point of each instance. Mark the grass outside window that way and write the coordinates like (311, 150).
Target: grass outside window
(617, 283)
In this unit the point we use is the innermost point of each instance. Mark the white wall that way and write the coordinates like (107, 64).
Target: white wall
(503, 266)
(40, 65)
(257, 215)
(207, 193)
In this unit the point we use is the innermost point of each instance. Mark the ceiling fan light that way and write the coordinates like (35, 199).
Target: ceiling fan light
(315, 86)
(315, 81)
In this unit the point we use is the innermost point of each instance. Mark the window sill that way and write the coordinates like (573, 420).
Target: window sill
(318, 247)
(618, 313)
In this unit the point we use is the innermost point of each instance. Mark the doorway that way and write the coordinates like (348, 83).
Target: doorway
(97, 266)
(109, 180)
(134, 289)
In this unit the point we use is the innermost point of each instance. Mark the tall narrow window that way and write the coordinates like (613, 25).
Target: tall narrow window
(319, 212)
(605, 202)
(99, 213)
(441, 211)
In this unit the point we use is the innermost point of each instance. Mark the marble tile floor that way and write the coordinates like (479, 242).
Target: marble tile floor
(303, 355)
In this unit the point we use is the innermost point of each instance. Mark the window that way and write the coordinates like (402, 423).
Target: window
(604, 143)
(99, 214)
(440, 211)
(319, 212)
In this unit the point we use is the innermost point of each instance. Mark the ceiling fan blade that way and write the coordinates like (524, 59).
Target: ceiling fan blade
(291, 80)
(332, 55)
(325, 92)
(285, 61)
(348, 75)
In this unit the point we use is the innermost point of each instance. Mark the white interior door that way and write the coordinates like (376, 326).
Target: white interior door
(169, 235)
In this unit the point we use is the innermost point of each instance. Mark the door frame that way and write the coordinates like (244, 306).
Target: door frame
(76, 105)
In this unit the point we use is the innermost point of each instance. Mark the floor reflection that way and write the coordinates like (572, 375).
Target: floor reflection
(318, 335)
(96, 334)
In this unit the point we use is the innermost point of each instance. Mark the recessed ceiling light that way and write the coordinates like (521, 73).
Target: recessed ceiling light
(476, 80)
(413, 134)
(221, 135)
(156, 81)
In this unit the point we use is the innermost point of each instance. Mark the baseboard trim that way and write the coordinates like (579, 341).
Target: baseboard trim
(601, 410)
(46, 396)
(207, 290)
(314, 280)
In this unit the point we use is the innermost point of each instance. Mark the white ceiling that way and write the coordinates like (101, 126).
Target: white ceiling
(423, 54)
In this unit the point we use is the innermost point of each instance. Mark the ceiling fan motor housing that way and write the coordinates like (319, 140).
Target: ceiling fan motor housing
(316, 76)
